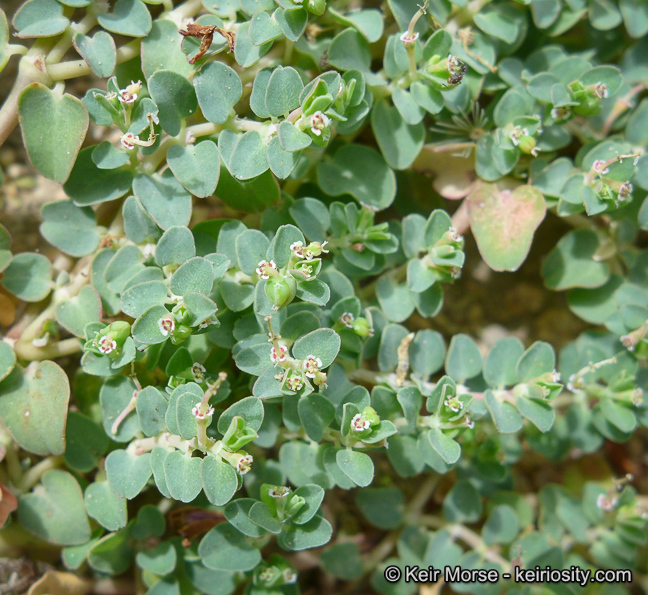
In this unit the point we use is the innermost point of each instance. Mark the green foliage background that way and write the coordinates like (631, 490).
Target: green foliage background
(244, 338)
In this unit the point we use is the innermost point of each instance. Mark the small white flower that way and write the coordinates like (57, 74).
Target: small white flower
(601, 90)
(319, 122)
(202, 416)
(297, 248)
(279, 355)
(222, 376)
(107, 346)
(408, 39)
(453, 63)
(515, 135)
(454, 404)
(312, 365)
(555, 376)
(129, 140)
(470, 424)
(455, 272)
(599, 167)
(264, 269)
(245, 464)
(454, 236)
(347, 319)
(359, 423)
(166, 325)
(279, 492)
(625, 191)
(290, 577)
(207, 322)
(198, 371)
(129, 94)
(607, 503)
(295, 383)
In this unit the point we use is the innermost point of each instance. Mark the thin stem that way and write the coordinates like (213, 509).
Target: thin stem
(30, 352)
(33, 475)
(76, 68)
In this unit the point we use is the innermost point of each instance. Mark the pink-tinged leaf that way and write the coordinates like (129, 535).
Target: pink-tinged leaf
(503, 223)
(8, 504)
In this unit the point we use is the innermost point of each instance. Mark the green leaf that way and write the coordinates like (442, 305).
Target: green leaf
(39, 18)
(504, 223)
(446, 447)
(361, 172)
(112, 554)
(161, 50)
(399, 141)
(501, 527)
(573, 262)
(500, 366)
(357, 466)
(316, 413)
(196, 167)
(28, 276)
(89, 184)
(281, 162)
(225, 548)
(397, 301)
(250, 409)
(54, 511)
(160, 560)
(315, 533)
(116, 394)
(218, 88)
(249, 156)
(282, 92)
(103, 505)
(245, 52)
(263, 28)
(323, 343)
(538, 359)
(70, 228)
(462, 504)
(151, 408)
(539, 412)
(129, 17)
(85, 442)
(368, 22)
(80, 310)
(127, 473)
(343, 561)
(106, 156)
(195, 275)
(7, 360)
(219, 480)
(382, 507)
(349, 51)
(33, 407)
(464, 360)
(183, 477)
(291, 138)
(99, 52)
(163, 198)
(174, 96)
(53, 127)
(505, 415)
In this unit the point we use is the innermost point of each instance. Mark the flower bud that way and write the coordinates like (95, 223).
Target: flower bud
(360, 327)
(528, 145)
(369, 413)
(182, 333)
(294, 505)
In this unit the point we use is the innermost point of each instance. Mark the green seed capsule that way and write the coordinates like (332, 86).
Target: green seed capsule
(281, 290)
